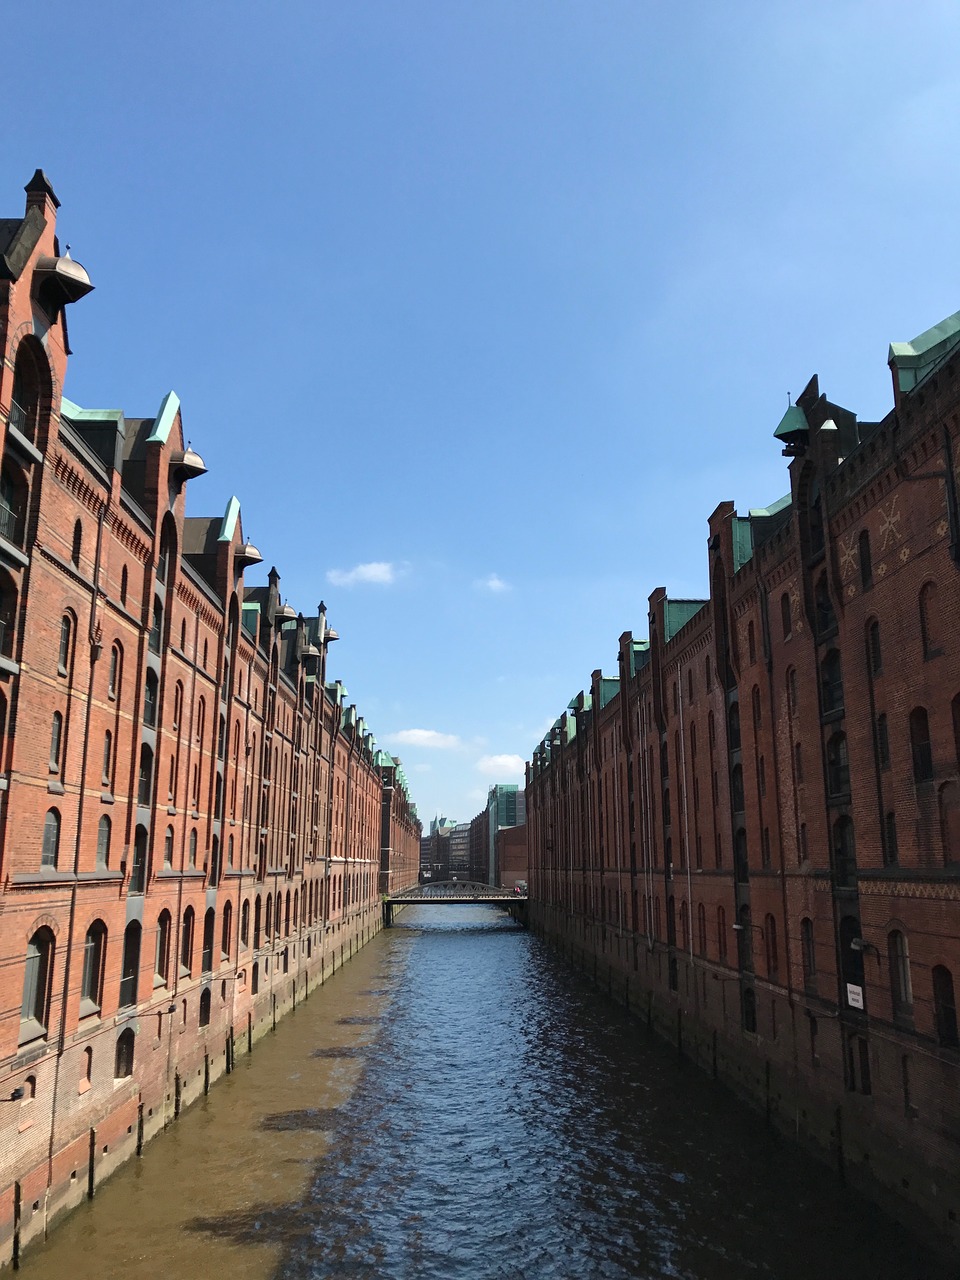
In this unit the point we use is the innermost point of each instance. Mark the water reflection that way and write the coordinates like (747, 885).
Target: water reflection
(455, 1104)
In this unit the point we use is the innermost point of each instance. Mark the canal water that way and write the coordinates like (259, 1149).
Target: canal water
(456, 1104)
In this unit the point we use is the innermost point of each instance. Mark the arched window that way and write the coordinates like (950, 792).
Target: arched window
(168, 849)
(770, 945)
(722, 935)
(201, 716)
(12, 505)
(115, 672)
(86, 1078)
(155, 638)
(736, 788)
(91, 982)
(138, 872)
(838, 768)
(107, 773)
(866, 563)
(930, 621)
(255, 978)
(204, 1015)
(103, 843)
(192, 856)
(150, 699)
(77, 545)
(785, 619)
(752, 641)
(245, 924)
(831, 682)
(130, 965)
(945, 1007)
(708, 674)
(50, 851)
(269, 918)
(733, 726)
(56, 742)
(920, 745)
(701, 929)
(757, 709)
(286, 917)
(145, 776)
(161, 962)
(808, 953)
(8, 614)
(123, 1060)
(741, 864)
(66, 644)
(874, 651)
(209, 929)
(226, 932)
(37, 982)
(296, 903)
(901, 991)
(124, 580)
(256, 922)
(186, 943)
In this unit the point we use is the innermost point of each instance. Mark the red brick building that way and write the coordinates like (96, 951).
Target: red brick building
(510, 852)
(194, 826)
(753, 829)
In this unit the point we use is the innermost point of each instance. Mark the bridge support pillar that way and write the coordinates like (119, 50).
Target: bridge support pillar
(387, 913)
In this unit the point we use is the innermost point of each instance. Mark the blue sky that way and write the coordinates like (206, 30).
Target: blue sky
(481, 309)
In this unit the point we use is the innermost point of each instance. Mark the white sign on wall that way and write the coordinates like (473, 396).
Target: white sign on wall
(854, 996)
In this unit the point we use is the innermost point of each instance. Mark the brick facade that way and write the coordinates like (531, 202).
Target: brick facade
(752, 831)
(194, 826)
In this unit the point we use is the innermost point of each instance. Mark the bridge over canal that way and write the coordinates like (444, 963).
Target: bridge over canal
(456, 893)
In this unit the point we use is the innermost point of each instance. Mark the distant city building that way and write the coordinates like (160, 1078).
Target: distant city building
(460, 851)
(435, 850)
(506, 807)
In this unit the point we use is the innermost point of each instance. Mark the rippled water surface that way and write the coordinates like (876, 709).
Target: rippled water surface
(456, 1104)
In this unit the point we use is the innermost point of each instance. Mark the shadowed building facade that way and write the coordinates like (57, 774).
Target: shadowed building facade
(752, 829)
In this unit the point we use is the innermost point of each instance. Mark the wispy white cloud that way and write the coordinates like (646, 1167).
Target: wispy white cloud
(505, 766)
(424, 738)
(493, 583)
(380, 573)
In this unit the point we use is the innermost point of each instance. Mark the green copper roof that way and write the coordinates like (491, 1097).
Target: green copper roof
(793, 420)
(230, 518)
(639, 655)
(609, 688)
(76, 414)
(774, 508)
(165, 419)
(677, 613)
(914, 360)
